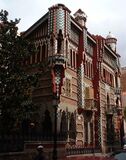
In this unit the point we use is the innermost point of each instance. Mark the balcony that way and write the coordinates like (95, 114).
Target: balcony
(117, 91)
(89, 107)
(113, 109)
(57, 59)
(90, 104)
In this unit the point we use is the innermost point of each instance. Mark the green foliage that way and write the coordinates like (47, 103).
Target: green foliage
(15, 102)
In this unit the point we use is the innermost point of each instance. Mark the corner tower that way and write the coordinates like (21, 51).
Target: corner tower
(111, 41)
(81, 17)
(58, 29)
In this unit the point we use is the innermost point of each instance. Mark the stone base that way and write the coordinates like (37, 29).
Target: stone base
(48, 148)
(30, 151)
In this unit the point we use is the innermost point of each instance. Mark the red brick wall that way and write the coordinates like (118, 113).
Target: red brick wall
(123, 79)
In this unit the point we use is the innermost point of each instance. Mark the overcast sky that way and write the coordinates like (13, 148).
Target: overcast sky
(104, 16)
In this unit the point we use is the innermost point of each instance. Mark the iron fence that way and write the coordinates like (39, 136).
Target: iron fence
(11, 143)
(15, 142)
(75, 150)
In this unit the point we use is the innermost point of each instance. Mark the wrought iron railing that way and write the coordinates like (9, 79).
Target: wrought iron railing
(112, 109)
(15, 142)
(58, 59)
(118, 91)
(11, 143)
(76, 150)
(90, 104)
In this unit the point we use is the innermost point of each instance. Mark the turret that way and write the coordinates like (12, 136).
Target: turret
(111, 41)
(81, 17)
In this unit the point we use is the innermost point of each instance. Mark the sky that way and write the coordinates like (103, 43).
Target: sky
(103, 16)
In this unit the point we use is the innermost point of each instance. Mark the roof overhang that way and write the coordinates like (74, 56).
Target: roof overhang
(35, 25)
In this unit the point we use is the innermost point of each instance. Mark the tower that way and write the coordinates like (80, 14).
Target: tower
(111, 41)
(81, 17)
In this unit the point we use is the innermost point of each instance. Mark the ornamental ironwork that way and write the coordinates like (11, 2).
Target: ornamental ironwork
(113, 109)
(90, 104)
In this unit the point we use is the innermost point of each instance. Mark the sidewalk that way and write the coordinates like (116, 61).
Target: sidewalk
(96, 156)
(87, 158)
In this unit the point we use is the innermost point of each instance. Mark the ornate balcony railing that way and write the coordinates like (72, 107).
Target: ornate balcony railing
(118, 91)
(90, 104)
(113, 109)
(77, 150)
(57, 59)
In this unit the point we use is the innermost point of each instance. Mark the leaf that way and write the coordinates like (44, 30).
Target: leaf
(15, 82)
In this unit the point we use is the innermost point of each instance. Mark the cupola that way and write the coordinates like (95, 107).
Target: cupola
(80, 17)
(111, 41)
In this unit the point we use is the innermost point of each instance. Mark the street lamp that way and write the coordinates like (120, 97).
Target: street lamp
(58, 72)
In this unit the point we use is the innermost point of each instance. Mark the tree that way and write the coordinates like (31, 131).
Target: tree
(15, 102)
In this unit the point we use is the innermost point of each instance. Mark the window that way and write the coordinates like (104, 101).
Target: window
(68, 87)
(33, 58)
(38, 53)
(86, 68)
(90, 48)
(74, 60)
(116, 80)
(43, 51)
(91, 70)
(71, 58)
(108, 77)
(104, 74)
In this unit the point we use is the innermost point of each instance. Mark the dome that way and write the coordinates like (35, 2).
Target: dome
(80, 17)
(111, 41)
(110, 36)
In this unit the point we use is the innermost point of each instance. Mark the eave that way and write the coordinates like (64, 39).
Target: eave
(111, 51)
(35, 25)
(91, 37)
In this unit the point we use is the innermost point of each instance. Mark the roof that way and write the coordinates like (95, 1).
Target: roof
(110, 35)
(35, 25)
(80, 13)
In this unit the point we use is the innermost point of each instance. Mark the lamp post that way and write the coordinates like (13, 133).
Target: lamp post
(58, 71)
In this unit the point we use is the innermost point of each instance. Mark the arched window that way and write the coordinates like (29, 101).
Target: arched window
(91, 71)
(116, 80)
(71, 58)
(86, 132)
(63, 125)
(66, 48)
(74, 59)
(33, 58)
(59, 41)
(86, 68)
(43, 51)
(72, 128)
(38, 53)
(117, 101)
(47, 50)
(108, 101)
(47, 124)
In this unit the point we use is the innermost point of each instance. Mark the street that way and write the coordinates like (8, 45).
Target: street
(88, 158)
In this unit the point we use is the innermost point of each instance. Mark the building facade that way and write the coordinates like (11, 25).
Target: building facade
(123, 93)
(89, 105)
